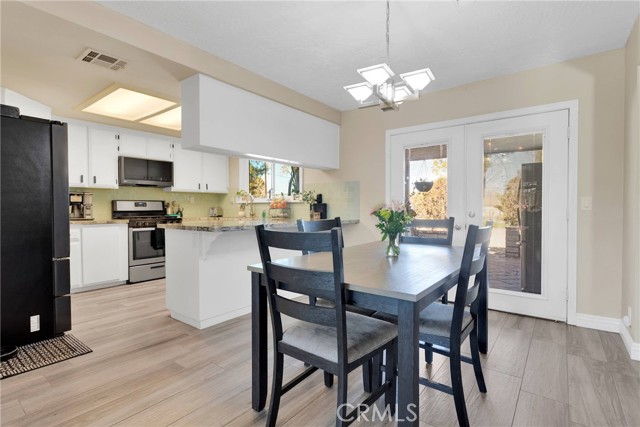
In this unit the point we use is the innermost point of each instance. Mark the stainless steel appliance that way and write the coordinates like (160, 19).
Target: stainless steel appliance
(81, 205)
(144, 173)
(35, 281)
(146, 240)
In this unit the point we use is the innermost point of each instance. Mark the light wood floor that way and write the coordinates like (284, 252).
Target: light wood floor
(149, 370)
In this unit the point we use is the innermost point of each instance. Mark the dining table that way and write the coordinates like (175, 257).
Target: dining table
(402, 286)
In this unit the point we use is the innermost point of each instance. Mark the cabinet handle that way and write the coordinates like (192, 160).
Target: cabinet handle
(207, 186)
(94, 179)
(81, 178)
(198, 186)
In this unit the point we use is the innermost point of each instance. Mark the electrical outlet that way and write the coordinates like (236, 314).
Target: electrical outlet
(586, 203)
(35, 323)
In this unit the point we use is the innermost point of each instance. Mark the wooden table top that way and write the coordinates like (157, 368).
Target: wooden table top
(415, 273)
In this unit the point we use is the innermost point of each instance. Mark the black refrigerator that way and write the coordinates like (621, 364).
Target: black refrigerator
(530, 218)
(34, 255)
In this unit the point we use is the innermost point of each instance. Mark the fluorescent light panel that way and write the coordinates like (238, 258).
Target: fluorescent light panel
(418, 79)
(171, 119)
(360, 91)
(129, 105)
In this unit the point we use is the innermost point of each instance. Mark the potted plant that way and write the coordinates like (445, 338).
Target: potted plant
(309, 197)
(243, 198)
(423, 186)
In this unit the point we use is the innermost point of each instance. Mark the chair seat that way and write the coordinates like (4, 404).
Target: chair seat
(364, 334)
(435, 321)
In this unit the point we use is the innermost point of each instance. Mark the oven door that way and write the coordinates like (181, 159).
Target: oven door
(143, 243)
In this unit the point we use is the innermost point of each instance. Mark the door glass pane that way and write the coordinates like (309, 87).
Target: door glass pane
(512, 200)
(426, 181)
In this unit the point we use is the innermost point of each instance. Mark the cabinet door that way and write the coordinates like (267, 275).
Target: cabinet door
(75, 257)
(78, 155)
(101, 247)
(215, 173)
(103, 158)
(132, 145)
(159, 149)
(187, 170)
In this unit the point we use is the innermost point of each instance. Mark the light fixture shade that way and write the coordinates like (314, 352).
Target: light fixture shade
(403, 92)
(360, 91)
(419, 79)
(376, 74)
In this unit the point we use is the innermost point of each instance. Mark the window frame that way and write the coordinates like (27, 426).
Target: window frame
(243, 180)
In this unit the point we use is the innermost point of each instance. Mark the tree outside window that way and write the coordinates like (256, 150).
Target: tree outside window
(267, 180)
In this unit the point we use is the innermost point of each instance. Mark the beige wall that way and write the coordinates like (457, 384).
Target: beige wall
(631, 226)
(596, 81)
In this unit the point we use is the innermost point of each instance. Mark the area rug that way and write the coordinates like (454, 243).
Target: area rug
(43, 353)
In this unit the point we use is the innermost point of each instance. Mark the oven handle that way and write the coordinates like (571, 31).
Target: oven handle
(133, 230)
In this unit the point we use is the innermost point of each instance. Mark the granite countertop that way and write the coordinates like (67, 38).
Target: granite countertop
(97, 221)
(234, 224)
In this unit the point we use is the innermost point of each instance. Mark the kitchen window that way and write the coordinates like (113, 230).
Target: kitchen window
(266, 180)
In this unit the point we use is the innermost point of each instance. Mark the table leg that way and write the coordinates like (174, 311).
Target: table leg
(258, 343)
(408, 368)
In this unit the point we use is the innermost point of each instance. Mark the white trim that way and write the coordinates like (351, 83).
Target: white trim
(601, 323)
(205, 323)
(572, 211)
(632, 347)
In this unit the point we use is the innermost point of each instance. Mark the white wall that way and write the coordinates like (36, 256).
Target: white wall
(27, 106)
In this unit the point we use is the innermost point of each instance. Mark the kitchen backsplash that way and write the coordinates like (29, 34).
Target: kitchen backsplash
(342, 199)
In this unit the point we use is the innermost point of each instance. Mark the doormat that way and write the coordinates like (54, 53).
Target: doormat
(43, 353)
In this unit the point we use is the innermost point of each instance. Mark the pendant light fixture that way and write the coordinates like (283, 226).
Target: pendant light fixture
(384, 88)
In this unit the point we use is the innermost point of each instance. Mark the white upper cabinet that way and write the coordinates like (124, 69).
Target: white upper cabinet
(187, 169)
(103, 158)
(215, 173)
(194, 171)
(132, 145)
(159, 149)
(78, 155)
(145, 147)
(93, 157)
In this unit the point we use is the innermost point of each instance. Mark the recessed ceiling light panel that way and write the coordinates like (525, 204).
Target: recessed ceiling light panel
(171, 119)
(129, 105)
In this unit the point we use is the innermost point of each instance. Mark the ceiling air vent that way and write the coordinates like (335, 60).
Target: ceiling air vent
(102, 59)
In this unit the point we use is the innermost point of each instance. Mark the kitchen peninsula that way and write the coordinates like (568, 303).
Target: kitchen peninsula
(207, 281)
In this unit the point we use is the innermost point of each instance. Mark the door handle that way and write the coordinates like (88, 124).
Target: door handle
(457, 227)
(472, 214)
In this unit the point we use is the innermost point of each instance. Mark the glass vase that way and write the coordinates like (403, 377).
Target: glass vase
(393, 248)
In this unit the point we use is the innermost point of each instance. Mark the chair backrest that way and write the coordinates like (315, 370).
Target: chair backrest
(474, 263)
(319, 284)
(319, 225)
(424, 231)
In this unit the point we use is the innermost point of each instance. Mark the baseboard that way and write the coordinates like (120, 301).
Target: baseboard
(632, 347)
(608, 324)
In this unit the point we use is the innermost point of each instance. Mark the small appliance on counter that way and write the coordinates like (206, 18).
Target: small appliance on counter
(80, 205)
(215, 212)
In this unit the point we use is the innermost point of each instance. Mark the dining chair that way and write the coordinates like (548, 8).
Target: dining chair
(423, 231)
(327, 338)
(368, 374)
(443, 328)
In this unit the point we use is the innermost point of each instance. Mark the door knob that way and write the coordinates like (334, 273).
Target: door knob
(457, 227)
(472, 214)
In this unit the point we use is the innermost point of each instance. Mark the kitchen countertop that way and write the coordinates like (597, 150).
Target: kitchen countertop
(234, 224)
(97, 222)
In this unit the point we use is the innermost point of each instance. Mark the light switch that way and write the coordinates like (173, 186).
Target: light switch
(586, 203)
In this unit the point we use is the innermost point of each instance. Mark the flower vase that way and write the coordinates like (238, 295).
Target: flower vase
(393, 248)
(311, 212)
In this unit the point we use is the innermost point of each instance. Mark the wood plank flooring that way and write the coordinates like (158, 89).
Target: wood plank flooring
(147, 369)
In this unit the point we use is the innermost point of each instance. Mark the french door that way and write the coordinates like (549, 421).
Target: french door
(512, 173)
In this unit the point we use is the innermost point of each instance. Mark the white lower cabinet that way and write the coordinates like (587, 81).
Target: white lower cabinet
(99, 255)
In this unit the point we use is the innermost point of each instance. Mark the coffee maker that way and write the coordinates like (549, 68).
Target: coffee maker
(81, 205)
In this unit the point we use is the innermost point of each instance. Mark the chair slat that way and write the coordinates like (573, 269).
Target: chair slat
(315, 283)
(325, 316)
(298, 241)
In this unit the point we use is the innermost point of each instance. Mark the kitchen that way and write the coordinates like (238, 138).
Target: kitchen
(158, 61)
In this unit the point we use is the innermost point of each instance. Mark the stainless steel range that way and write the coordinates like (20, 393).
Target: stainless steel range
(146, 241)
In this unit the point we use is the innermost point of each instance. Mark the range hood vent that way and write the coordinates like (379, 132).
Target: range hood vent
(101, 59)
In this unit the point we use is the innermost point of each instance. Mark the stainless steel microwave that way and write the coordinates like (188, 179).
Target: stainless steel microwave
(144, 173)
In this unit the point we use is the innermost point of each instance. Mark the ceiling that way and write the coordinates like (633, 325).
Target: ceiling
(313, 48)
